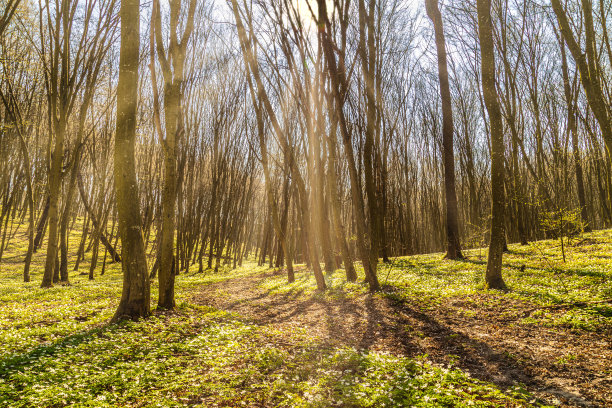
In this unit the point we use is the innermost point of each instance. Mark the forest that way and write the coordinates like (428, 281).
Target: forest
(305, 203)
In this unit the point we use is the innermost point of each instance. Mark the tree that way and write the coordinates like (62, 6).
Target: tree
(590, 72)
(172, 64)
(588, 65)
(272, 207)
(367, 56)
(13, 108)
(250, 61)
(452, 223)
(493, 277)
(74, 39)
(339, 89)
(7, 14)
(572, 128)
(136, 293)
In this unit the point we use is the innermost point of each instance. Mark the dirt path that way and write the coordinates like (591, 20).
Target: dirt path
(480, 334)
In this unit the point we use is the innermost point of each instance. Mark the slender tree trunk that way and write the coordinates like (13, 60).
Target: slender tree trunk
(587, 64)
(55, 181)
(320, 209)
(251, 62)
(81, 251)
(100, 228)
(67, 210)
(571, 124)
(29, 195)
(338, 89)
(280, 233)
(347, 259)
(41, 226)
(167, 270)
(367, 57)
(452, 213)
(172, 65)
(493, 275)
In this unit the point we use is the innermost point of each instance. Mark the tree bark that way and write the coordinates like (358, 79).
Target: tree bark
(135, 297)
(493, 277)
(452, 213)
(571, 124)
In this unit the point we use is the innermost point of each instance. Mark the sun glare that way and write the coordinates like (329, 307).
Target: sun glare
(306, 8)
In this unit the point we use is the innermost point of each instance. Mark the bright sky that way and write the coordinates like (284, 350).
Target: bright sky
(304, 10)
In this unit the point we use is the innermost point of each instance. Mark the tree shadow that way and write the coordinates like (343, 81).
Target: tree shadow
(486, 362)
(390, 323)
(406, 326)
(17, 362)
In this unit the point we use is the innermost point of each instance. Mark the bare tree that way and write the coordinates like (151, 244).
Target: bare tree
(10, 7)
(136, 293)
(173, 65)
(493, 275)
(452, 223)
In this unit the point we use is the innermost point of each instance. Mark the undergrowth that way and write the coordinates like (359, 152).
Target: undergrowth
(535, 274)
(59, 350)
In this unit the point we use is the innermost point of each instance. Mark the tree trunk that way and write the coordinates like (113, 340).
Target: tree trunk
(115, 257)
(166, 270)
(347, 259)
(493, 275)
(367, 57)
(452, 214)
(571, 124)
(338, 88)
(41, 226)
(251, 63)
(587, 64)
(135, 297)
(55, 185)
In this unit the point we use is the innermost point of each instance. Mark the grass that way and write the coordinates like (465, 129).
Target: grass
(210, 358)
(58, 349)
(535, 274)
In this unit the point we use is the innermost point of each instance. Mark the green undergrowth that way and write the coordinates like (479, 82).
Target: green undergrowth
(59, 350)
(535, 274)
(199, 356)
(30, 315)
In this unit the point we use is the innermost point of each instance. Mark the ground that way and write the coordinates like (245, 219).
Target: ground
(433, 337)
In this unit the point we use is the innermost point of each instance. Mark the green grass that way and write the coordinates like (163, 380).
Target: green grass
(534, 273)
(58, 349)
(209, 358)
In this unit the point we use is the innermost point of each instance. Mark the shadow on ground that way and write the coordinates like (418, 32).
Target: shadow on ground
(476, 335)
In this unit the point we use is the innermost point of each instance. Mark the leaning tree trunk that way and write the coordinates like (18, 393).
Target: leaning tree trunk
(347, 259)
(272, 207)
(367, 57)
(588, 66)
(251, 62)
(338, 83)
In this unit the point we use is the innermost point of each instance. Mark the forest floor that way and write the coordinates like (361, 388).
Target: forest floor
(551, 334)
(433, 337)
(497, 339)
